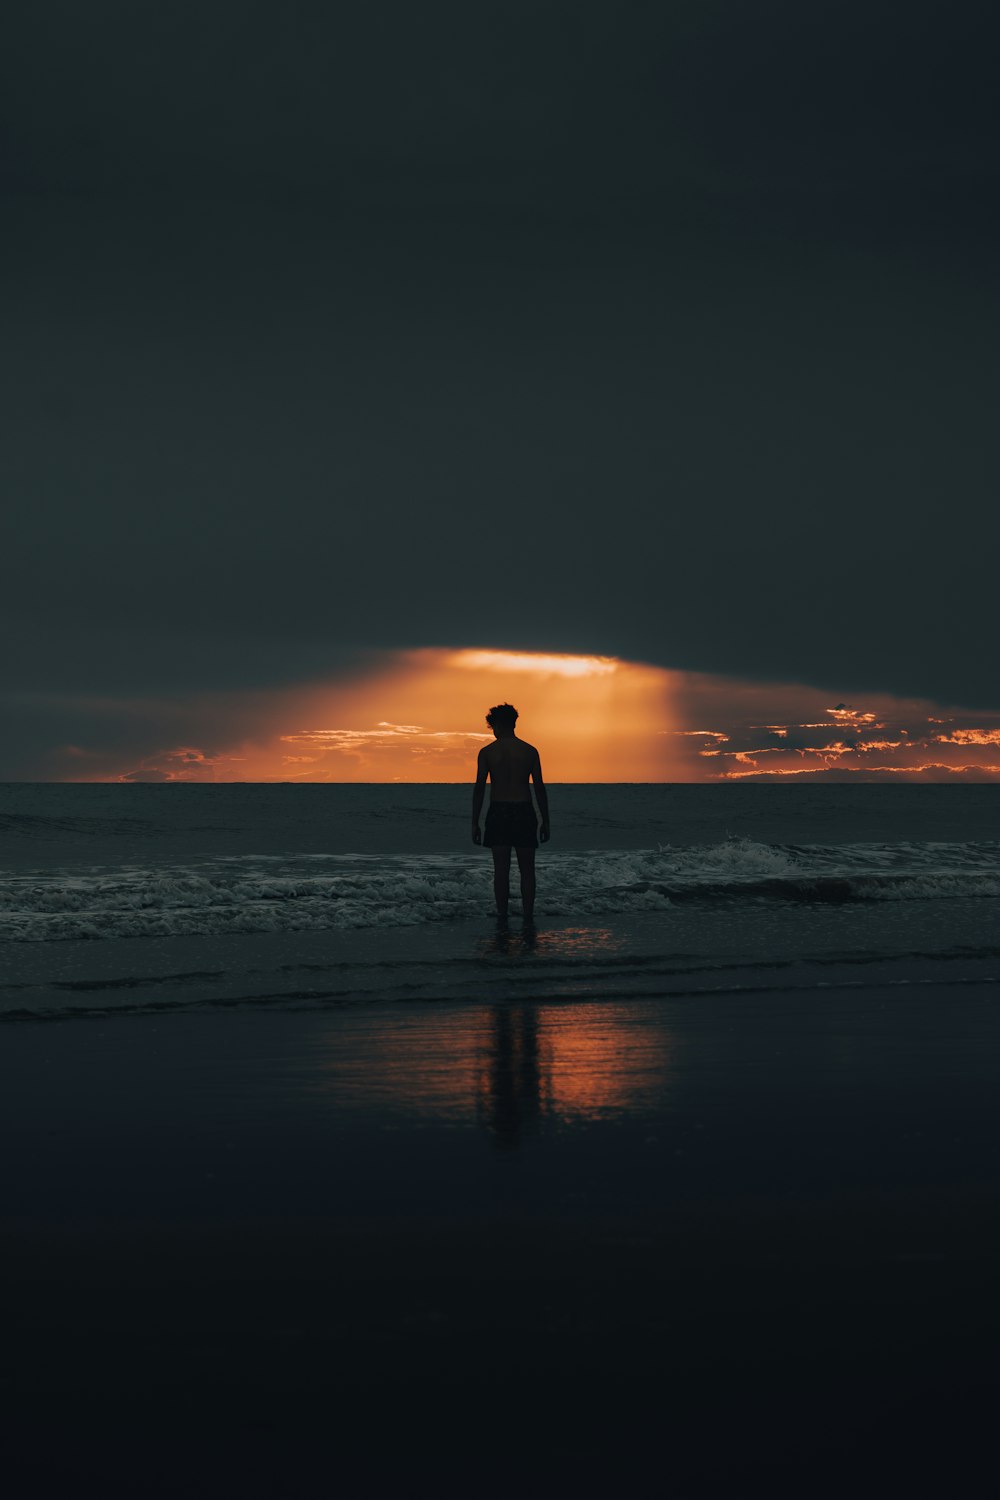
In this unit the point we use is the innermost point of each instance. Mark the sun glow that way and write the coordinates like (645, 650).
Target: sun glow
(537, 663)
(422, 718)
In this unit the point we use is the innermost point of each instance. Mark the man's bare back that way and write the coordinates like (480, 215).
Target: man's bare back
(510, 763)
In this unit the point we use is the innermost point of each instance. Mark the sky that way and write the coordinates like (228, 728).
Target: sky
(341, 343)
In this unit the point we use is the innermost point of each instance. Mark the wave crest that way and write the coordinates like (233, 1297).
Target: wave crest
(244, 894)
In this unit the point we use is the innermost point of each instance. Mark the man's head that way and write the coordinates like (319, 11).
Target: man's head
(502, 718)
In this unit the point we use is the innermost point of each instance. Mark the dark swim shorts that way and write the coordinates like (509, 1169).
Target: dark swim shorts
(511, 823)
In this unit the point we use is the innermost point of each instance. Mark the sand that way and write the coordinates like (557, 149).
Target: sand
(735, 1244)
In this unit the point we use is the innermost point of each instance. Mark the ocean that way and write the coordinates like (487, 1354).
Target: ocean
(135, 898)
(318, 1174)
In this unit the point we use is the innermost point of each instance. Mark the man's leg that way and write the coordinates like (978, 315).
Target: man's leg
(501, 876)
(526, 865)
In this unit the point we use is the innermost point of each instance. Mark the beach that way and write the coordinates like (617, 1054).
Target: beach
(701, 1197)
(257, 1253)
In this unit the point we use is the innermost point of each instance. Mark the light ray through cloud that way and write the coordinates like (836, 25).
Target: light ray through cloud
(536, 663)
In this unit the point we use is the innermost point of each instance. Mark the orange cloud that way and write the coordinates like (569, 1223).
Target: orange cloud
(969, 737)
(845, 714)
(930, 771)
(906, 735)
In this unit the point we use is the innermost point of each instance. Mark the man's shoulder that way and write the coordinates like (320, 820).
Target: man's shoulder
(525, 746)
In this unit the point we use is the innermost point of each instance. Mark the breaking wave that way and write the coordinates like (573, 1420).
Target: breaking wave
(245, 894)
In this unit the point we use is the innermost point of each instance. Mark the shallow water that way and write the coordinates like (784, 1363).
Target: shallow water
(125, 897)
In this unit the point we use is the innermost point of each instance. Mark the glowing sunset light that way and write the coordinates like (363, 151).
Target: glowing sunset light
(536, 662)
(419, 716)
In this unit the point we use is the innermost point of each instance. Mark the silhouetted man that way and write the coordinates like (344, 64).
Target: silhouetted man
(511, 765)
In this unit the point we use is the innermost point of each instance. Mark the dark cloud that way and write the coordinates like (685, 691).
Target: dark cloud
(663, 332)
(588, 99)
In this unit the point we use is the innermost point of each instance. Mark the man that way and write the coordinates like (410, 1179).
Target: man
(511, 765)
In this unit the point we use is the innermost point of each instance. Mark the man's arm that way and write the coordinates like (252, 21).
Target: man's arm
(541, 797)
(478, 793)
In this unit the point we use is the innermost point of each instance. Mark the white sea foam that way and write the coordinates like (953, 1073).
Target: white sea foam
(273, 893)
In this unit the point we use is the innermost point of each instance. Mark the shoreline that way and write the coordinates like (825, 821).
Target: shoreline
(684, 951)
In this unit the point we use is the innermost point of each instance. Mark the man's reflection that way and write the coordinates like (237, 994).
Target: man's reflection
(515, 1074)
(514, 1067)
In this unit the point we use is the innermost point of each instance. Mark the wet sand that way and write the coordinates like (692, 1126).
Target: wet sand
(734, 1243)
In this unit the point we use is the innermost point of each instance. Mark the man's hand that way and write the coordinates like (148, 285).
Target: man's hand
(543, 833)
(477, 834)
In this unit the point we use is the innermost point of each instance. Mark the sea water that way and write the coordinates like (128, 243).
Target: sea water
(185, 895)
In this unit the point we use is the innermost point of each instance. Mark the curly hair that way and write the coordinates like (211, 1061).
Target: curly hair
(502, 716)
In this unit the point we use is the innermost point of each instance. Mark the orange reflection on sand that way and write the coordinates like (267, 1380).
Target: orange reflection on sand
(566, 1063)
(510, 1066)
(605, 1062)
(398, 1063)
(572, 1062)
